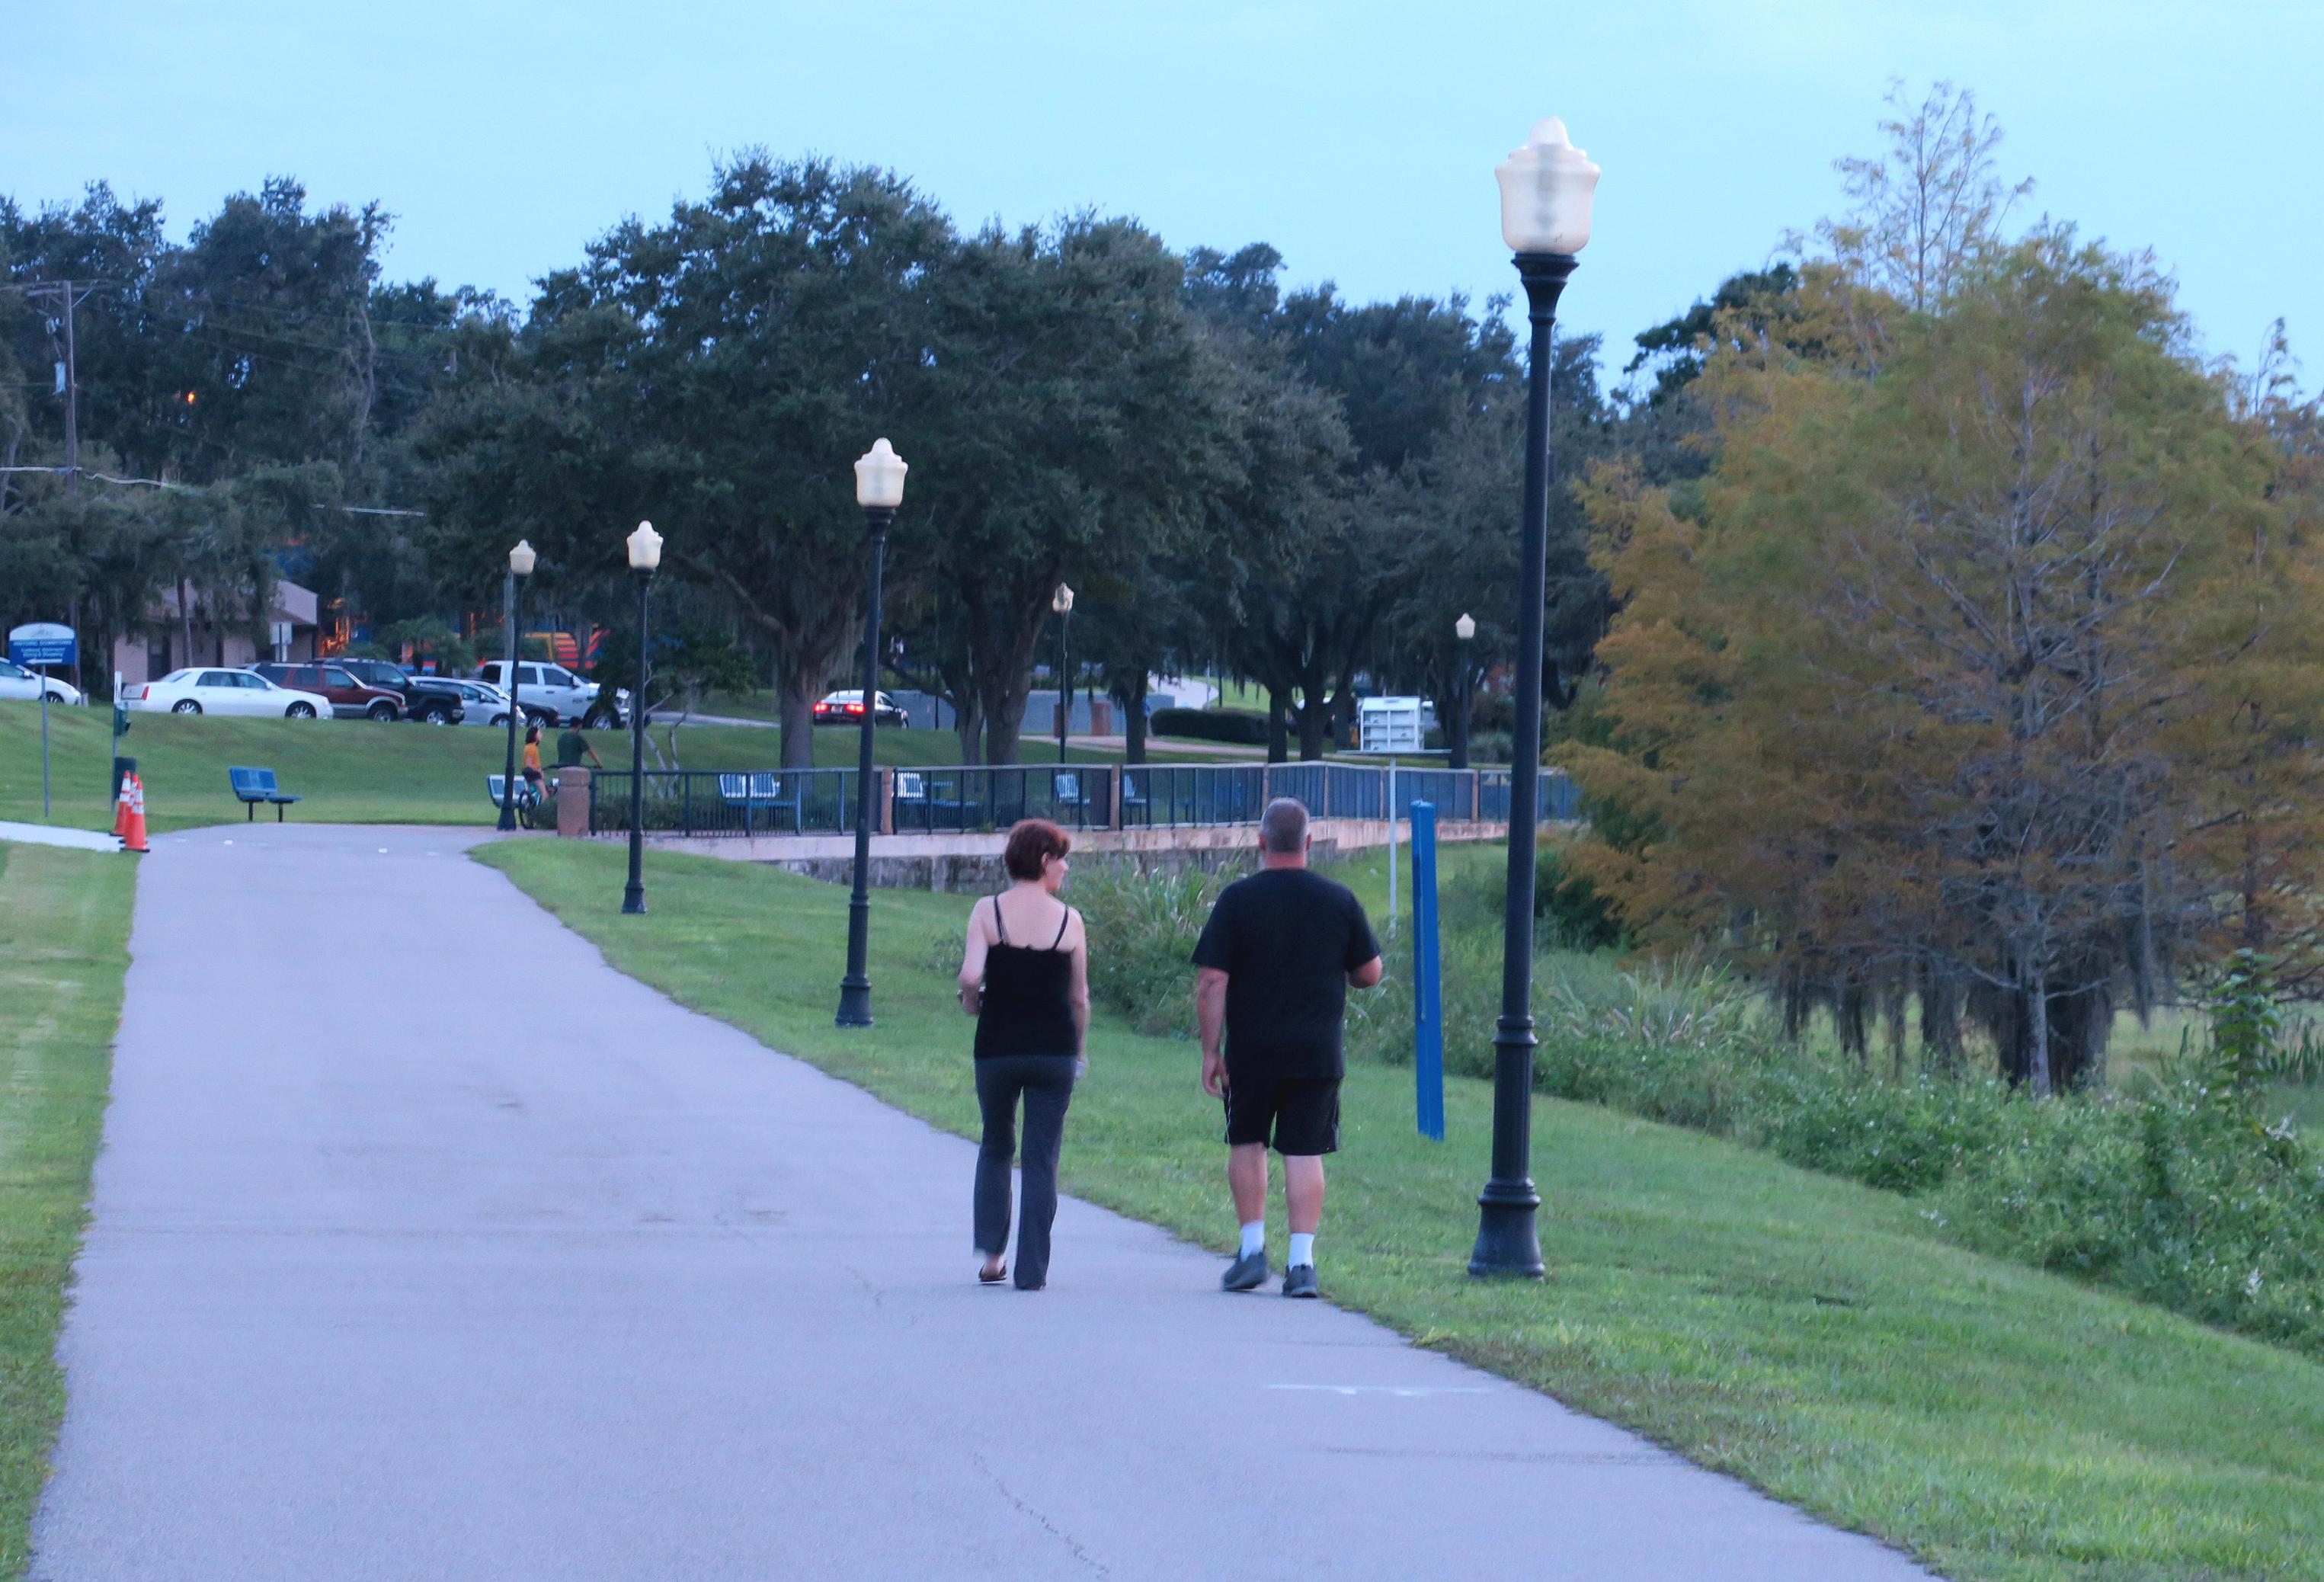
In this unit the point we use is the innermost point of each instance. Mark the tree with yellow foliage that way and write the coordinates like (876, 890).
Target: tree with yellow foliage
(1985, 669)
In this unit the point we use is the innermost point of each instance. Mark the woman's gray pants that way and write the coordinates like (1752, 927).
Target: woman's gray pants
(1047, 1084)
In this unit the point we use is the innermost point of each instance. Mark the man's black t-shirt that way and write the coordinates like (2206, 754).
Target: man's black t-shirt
(1286, 938)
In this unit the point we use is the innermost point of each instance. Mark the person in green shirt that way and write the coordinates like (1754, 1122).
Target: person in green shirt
(572, 745)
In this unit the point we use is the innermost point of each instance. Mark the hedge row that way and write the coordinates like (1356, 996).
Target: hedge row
(1246, 726)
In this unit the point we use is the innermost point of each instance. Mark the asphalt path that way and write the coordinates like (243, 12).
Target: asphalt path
(426, 1246)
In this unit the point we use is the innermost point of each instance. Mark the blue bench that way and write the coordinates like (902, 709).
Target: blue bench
(256, 786)
(528, 800)
(753, 792)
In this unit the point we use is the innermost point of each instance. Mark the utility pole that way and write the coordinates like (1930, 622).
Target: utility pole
(67, 299)
(72, 395)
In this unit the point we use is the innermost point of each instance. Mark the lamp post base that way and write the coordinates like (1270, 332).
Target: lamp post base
(1507, 1246)
(633, 898)
(507, 820)
(855, 1002)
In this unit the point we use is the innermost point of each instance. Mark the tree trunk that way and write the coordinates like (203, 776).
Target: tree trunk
(2037, 1012)
(1941, 1039)
(1278, 735)
(796, 695)
(1314, 724)
(968, 726)
(1133, 722)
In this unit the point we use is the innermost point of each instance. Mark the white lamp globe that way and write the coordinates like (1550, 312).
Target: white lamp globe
(879, 477)
(645, 547)
(522, 558)
(1062, 601)
(1545, 192)
(1464, 628)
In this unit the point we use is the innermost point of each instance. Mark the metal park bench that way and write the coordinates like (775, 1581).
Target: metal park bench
(934, 802)
(254, 787)
(755, 793)
(528, 800)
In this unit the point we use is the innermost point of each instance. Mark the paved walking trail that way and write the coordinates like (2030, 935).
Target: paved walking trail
(406, 1264)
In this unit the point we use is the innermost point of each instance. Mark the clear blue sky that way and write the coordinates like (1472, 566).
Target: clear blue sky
(1357, 136)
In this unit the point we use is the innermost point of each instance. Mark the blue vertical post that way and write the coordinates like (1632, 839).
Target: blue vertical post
(1427, 979)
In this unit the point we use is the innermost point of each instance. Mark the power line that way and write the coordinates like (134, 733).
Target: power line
(104, 478)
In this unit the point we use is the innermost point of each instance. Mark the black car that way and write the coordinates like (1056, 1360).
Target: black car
(425, 697)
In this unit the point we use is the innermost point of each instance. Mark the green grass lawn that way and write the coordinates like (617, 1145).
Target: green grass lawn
(350, 772)
(1815, 1337)
(64, 933)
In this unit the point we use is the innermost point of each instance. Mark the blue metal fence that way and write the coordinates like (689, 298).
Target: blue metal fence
(1078, 796)
(1160, 795)
(702, 802)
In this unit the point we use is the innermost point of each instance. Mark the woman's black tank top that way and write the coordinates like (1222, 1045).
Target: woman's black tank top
(1025, 1009)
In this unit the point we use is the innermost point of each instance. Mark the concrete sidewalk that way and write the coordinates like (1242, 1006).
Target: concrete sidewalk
(392, 1275)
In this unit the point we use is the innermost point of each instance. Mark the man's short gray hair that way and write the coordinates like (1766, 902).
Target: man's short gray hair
(1283, 828)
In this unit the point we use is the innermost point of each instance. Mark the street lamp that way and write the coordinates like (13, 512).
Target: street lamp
(1464, 629)
(879, 489)
(645, 556)
(519, 567)
(1062, 602)
(1545, 193)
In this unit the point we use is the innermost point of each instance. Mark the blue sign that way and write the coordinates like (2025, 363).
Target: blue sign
(43, 643)
(1427, 979)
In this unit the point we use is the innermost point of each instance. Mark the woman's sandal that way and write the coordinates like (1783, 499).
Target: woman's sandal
(993, 1275)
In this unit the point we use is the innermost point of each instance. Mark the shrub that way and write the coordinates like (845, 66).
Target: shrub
(1568, 905)
(1245, 726)
(2180, 1194)
(1142, 928)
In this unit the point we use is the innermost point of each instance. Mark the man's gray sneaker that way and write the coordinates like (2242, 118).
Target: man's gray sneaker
(1245, 1274)
(1299, 1280)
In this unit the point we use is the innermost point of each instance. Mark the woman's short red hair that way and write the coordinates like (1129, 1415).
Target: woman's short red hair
(1030, 845)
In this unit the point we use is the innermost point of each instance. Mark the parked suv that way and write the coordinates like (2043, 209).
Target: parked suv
(548, 693)
(350, 698)
(431, 699)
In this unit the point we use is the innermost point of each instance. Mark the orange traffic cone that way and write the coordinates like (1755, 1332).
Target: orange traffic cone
(121, 811)
(134, 838)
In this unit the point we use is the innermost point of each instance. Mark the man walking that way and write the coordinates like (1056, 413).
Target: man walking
(1275, 960)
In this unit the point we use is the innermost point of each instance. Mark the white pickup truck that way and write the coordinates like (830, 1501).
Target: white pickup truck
(548, 693)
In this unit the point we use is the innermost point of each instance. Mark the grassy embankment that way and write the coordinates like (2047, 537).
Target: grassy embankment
(1812, 1336)
(64, 933)
(350, 772)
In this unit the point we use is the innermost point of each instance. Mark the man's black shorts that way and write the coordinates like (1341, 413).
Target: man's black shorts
(1298, 1114)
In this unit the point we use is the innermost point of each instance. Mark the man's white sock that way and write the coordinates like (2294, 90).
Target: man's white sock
(1254, 1238)
(1303, 1250)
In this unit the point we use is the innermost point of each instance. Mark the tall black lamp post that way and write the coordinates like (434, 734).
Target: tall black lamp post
(1465, 631)
(519, 567)
(1061, 603)
(879, 489)
(1545, 192)
(645, 556)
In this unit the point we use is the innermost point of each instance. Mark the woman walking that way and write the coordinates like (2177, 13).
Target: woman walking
(1025, 977)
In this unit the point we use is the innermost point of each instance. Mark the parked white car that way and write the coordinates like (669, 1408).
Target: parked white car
(549, 692)
(484, 706)
(16, 681)
(225, 691)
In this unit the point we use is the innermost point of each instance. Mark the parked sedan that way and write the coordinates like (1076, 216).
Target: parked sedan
(847, 708)
(487, 705)
(16, 681)
(350, 697)
(225, 691)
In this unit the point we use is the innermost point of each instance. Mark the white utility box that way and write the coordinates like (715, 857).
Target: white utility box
(1394, 725)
